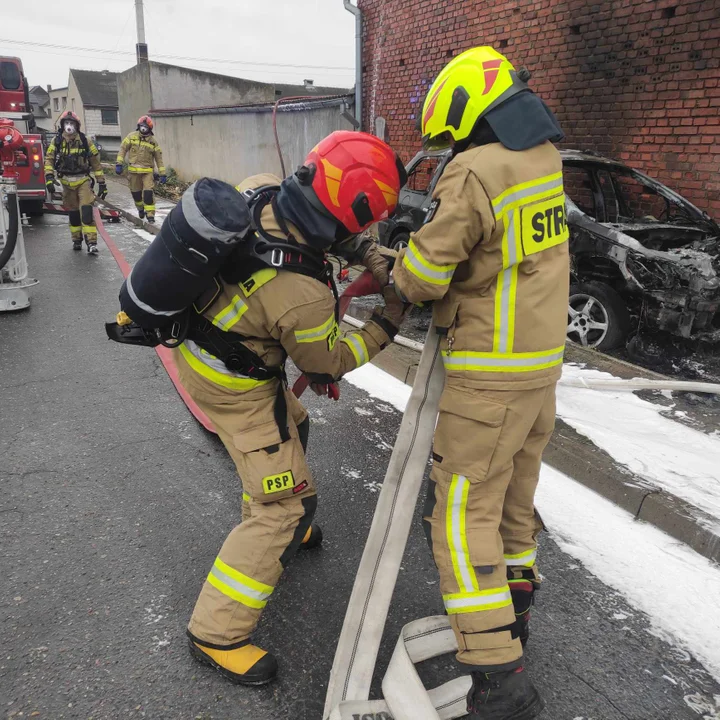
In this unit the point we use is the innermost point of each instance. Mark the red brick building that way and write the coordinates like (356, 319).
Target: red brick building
(638, 80)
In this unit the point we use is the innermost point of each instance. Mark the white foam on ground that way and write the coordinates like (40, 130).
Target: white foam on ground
(672, 584)
(665, 453)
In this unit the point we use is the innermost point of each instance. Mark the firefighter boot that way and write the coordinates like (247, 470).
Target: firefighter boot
(245, 664)
(77, 244)
(313, 538)
(92, 248)
(523, 596)
(505, 695)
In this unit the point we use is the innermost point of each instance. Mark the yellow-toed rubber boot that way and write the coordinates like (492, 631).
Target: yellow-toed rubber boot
(243, 665)
(313, 538)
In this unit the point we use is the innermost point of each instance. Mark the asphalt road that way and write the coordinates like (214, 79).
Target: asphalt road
(115, 502)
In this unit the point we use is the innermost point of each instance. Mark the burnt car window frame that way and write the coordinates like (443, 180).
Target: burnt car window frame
(595, 189)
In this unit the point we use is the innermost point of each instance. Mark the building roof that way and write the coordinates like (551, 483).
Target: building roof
(39, 95)
(284, 90)
(97, 89)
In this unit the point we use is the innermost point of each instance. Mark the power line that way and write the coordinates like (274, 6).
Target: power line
(176, 57)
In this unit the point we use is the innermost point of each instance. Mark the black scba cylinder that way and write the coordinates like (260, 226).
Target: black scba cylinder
(200, 232)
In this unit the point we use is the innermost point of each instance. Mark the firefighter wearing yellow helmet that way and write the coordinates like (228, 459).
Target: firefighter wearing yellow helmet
(493, 255)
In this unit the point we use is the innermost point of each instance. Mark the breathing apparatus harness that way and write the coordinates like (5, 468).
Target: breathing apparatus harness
(63, 156)
(260, 249)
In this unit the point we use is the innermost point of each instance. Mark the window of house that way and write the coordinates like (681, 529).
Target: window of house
(10, 76)
(73, 104)
(56, 104)
(64, 102)
(109, 116)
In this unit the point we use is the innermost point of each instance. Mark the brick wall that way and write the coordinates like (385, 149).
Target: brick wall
(638, 80)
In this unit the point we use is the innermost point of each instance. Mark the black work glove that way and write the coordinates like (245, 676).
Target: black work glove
(102, 189)
(50, 183)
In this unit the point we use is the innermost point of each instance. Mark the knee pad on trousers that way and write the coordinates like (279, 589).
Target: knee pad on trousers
(148, 197)
(137, 196)
(86, 212)
(310, 506)
(74, 217)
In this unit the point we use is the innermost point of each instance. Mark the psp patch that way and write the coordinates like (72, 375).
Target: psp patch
(544, 225)
(333, 336)
(278, 483)
(434, 205)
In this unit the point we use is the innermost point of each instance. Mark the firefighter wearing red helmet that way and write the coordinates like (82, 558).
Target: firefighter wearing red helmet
(278, 298)
(72, 156)
(143, 154)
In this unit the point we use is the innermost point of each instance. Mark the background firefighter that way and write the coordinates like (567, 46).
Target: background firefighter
(143, 152)
(493, 255)
(72, 156)
(277, 299)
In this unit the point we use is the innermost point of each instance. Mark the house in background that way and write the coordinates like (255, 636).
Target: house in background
(58, 102)
(93, 97)
(40, 105)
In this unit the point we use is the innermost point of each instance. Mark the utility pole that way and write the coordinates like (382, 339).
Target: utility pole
(141, 48)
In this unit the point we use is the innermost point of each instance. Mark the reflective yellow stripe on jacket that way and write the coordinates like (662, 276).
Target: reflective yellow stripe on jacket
(415, 263)
(317, 333)
(226, 379)
(358, 347)
(506, 208)
(463, 361)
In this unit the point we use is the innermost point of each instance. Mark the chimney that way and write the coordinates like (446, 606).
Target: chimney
(49, 89)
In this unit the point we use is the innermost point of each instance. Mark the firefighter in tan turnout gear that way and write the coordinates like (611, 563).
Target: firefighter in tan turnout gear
(72, 156)
(143, 154)
(493, 256)
(283, 306)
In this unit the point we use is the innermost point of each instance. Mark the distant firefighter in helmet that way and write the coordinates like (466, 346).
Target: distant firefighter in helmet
(72, 156)
(142, 151)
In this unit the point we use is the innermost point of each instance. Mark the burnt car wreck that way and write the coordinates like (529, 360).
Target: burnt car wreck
(644, 260)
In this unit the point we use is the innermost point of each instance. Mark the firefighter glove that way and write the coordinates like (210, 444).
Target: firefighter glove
(102, 188)
(163, 179)
(50, 183)
(395, 309)
(379, 261)
(118, 169)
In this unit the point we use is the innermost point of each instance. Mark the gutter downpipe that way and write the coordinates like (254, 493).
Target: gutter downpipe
(358, 60)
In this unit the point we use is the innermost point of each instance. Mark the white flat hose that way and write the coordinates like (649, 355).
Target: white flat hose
(641, 384)
(367, 610)
(590, 383)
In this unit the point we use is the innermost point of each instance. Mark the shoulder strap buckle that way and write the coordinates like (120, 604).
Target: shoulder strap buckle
(277, 258)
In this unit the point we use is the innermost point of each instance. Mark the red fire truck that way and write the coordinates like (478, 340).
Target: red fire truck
(15, 105)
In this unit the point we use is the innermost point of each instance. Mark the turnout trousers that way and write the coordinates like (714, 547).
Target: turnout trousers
(78, 198)
(142, 190)
(479, 516)
(278, 504)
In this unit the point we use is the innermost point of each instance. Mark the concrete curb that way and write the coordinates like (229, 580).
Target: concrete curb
(574, 455)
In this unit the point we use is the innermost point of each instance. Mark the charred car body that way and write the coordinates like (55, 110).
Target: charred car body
(643, 259)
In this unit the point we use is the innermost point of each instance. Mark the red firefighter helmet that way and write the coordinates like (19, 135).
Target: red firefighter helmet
(355, 177)
(146, 120)
(69, 115)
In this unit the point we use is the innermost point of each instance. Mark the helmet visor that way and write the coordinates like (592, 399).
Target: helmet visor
(443, 141)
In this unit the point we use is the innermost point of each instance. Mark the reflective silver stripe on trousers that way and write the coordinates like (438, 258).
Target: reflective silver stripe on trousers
(237, 586)
(527, 560)
(557, 183)
(478, 600)
(199, 223)
(144, 306)
(507, 282)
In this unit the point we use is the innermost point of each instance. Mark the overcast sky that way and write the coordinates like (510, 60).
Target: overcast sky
(245, 38)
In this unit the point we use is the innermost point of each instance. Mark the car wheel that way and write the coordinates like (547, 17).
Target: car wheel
(597, 316)
(400, 241)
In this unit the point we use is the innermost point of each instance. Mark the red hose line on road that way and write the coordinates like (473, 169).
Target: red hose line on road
(163, 353)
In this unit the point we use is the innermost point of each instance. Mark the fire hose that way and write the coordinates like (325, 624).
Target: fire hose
(12, 229)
